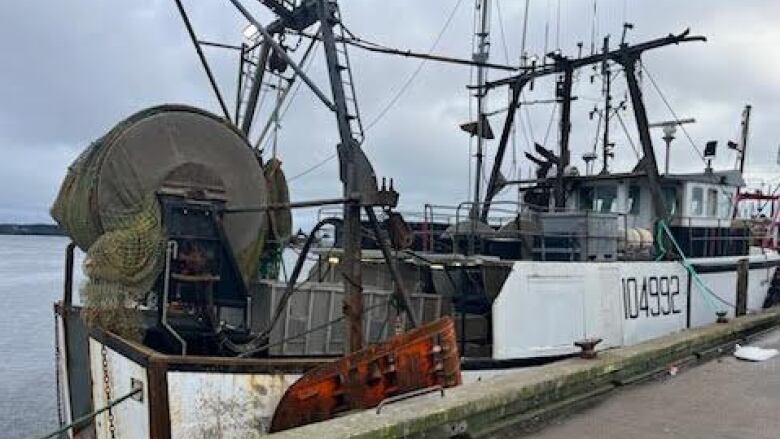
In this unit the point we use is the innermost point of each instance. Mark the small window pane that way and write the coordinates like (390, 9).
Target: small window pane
(697, 201)
(601, 199)
(725, 204)
(605, 198)
(586, 198)
(670, 198)
(633, 200)
(712, 202)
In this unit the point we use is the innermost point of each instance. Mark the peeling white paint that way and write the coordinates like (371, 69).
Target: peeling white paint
(131, 417)
(223, 405)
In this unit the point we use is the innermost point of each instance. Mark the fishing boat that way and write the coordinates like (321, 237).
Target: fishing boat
(185, 328)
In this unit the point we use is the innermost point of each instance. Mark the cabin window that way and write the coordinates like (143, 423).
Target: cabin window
(697, 201)
(601, 199)
(670, 199)
(712, 202)
(726, 204)
(633, 200)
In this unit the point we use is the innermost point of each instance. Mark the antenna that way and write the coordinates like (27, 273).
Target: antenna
(670, 129)
(743, 138)
(481, 55)
(709, 154)
(589, 158)
(606, 147)
(523, 55)
(626, 27)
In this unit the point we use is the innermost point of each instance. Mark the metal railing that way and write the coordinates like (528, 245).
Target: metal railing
(701, 236)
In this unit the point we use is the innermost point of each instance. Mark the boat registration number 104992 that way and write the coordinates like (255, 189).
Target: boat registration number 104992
(651, 296)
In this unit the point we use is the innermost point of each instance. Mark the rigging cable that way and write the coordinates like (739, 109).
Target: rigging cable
(706, 292)
(395, 98)
(558, 27)
(682, 126)
(628, 135)
(417, 71)
(671, 110)
(593, 27)
(513, 137)
(549, 124)
(523, 56)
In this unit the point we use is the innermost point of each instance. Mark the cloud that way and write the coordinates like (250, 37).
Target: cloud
(74, 69)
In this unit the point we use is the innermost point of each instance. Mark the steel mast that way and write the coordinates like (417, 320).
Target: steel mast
(743, 138)
(481, 55)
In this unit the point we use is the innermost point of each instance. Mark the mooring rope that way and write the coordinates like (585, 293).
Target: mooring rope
(661, 229)
(93, 414)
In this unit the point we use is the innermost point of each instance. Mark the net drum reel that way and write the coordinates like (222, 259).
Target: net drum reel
(203, 293)
(147, 203)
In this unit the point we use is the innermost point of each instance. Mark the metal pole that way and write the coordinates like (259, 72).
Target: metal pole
(257, 84)
(493, 184)
(400, 293)
(668, 139)
(67, 299)
(202, 57)
(523, 57)
(350, 268)
(650, 166)
(744, 137)
(283, 97)
(240, 82)
(297, 205)
(482, 54)
(283, 54)
(560, 190)
(607, 108)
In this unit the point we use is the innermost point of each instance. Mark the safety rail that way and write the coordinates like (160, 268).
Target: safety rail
(699, 236)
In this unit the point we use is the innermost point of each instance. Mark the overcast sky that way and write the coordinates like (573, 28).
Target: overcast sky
(73, 69)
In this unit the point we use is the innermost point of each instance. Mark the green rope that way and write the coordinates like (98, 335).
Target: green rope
(659, 241)
(89, 416)
(662, 227)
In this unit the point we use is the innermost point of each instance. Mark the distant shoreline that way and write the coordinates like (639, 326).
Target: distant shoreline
(31, 229)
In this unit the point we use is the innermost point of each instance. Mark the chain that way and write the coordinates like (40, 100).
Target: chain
(57, 357)
(107, 389)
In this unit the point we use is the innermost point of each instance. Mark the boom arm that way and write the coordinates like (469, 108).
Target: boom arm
(626, 56)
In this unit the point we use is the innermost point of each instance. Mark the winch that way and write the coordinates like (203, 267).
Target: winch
(148, 204)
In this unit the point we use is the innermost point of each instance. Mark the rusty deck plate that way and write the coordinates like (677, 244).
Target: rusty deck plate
(421, 358)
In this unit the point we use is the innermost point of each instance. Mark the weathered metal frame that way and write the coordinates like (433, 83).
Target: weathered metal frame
(157, 366)
(202, 57)
(627, 56)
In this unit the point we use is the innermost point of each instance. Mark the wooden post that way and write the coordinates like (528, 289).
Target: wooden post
(742, 287)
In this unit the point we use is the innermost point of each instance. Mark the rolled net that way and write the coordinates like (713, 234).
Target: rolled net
(108, 206)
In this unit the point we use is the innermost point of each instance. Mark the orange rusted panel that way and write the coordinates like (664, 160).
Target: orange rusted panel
(423, 357)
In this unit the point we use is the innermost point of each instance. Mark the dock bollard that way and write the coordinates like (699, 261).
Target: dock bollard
(588, 346)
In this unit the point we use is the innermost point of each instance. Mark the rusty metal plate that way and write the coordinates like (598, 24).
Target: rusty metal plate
(421, 358)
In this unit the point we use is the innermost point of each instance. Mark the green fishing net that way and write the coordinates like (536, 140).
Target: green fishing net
(108, 204)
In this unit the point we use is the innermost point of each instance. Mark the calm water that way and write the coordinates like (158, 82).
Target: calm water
(31, 276)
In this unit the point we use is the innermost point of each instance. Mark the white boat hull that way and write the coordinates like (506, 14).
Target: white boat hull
(544, 307)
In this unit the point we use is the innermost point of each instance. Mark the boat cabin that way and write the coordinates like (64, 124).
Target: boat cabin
(693, 200)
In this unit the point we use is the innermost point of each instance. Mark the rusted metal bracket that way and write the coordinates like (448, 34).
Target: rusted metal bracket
(423, 358)
(138, 387)
(401, 296)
